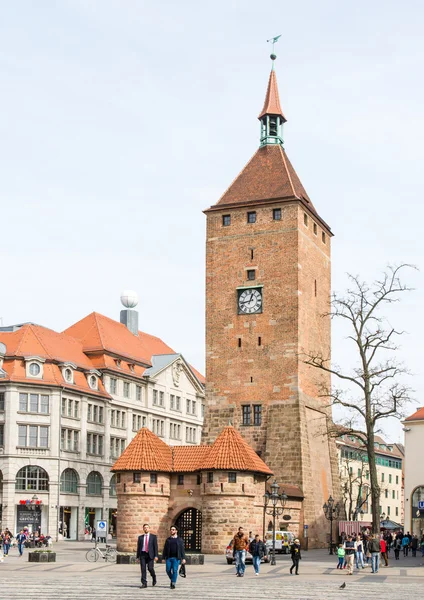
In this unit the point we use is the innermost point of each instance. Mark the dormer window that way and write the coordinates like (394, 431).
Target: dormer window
(68, 375)
(34, 369)
(92, 382)
(118, 362)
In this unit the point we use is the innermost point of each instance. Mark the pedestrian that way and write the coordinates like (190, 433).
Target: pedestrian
(374, 548)
(405, 545)
(21, 538)
(295, 556)
(147, 554)
(258, 550)
(240, 547)
(341, 555)
(414, 545)
(383, 549)
(174, 554)
(6, 543)
(350, 548)
(397, 545)
(359, 556)
(422, 545)
(389, 542)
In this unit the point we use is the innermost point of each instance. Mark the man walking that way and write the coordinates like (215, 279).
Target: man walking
(147, 554)
(174, 554)
(374, 548)
(258, 550)
(240, 547)
(295, 556)
(350, 549)
(20, 538)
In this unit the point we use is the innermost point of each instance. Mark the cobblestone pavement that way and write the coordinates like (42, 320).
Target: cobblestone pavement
(72, 577)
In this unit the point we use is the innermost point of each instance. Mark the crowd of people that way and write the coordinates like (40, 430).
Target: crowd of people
(23, 539)
(364, 549)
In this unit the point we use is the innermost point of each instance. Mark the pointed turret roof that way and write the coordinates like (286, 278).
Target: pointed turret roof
(229, 452)
(272, 99)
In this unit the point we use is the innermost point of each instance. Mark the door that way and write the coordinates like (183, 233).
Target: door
(189, 525)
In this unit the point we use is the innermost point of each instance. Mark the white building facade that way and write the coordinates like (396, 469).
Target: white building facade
(414, 473)
(69, 407)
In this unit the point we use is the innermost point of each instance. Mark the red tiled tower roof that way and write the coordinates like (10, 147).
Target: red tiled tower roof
(229, 452)
(272, 99)
(146, 452)
(417, 416)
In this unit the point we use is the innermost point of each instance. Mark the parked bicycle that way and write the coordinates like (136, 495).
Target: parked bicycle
(108, 554)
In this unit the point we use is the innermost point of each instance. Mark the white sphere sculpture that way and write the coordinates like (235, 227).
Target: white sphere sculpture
(129, 298)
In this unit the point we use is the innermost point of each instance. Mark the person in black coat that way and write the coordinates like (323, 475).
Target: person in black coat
(147, 554)
(174, 554)
(295, 556)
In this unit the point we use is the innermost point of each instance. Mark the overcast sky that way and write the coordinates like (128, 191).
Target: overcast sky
(120, 121)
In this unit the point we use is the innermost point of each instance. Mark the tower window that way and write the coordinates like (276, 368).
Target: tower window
(247, 414)
(315, 229)
(232, 477)
(180, 479)
(251, 217)
(251, 254)
(273, 126)
(259, 341)
(323, 237)
(276, 214)
(226, 220)
(257, 414)
(239, 342)
(210, 477)
(251, 274)
(315, 287)
(305, 219)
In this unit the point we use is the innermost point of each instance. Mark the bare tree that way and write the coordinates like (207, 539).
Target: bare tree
(372, 389)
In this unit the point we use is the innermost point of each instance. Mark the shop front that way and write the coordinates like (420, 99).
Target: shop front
(92, 515)
(417, 511)
(68, 522)
(28, 516)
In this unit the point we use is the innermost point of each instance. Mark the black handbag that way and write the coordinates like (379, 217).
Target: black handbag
(183, 571)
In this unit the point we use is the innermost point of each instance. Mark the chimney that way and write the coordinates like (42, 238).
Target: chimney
(129, 317)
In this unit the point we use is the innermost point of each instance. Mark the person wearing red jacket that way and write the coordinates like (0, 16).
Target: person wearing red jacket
(383, 549)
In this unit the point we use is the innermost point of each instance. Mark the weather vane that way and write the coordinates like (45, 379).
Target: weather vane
(273, 56)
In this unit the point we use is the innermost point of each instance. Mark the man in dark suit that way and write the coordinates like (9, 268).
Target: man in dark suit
(147, 553)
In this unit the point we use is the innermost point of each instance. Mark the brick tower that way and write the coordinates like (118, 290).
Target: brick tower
(268, 280)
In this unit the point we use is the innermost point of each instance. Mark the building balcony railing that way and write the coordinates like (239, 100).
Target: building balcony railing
(34, 451)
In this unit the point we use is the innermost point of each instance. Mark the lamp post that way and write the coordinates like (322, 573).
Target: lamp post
(331, 512)
(274, 504)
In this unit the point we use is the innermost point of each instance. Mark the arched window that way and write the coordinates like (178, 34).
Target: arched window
(69, 482)
(417, 496)
(32, 479)
(112, 486)
(94, 484)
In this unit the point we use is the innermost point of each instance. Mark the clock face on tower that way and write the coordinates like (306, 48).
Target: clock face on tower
(249, 301)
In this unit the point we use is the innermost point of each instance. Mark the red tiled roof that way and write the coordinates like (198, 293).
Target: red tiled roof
(272, 99)
(268, 175)
(417, 416)
(146, 452)
(229, 452)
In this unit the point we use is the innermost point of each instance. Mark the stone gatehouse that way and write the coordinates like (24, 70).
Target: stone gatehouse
(208, 491)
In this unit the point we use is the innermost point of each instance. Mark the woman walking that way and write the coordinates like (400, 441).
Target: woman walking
(295, 556)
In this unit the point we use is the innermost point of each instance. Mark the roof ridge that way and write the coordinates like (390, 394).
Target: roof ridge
(237, 176)
(287, 171)
(41, 342)
(98, 328)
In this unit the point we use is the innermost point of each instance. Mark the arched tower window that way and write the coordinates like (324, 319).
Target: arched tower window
(94, 484)
(32, 478)
(69, 481)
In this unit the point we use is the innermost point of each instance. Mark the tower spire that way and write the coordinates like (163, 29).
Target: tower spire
(272, 117)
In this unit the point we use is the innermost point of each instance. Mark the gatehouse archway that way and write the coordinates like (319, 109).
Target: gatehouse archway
(189, 525)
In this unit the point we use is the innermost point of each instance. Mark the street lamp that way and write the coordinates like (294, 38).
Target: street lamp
(274, 504)
(331, 512)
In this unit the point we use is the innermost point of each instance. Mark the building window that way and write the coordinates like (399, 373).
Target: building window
(359, 472)
(92, 382)
(113, 385)
(202, 410)
(397, 479)
(199, 479)
(305, 219)
(126, 389)
(390, 478)
(33, 436)
(153, 478)
(188, 406)
(1, 400)
(34, 369)
(94, 413)
(382, 477)
(172, 401)
(386, 493)
(247, 411)
(138, 392)
(251, 217)
(2, 434)
(69, 440)
(117, 446)
(191, 434)
(112, 485)
(323, 237)
(32, 479)
(161, 398)
(393, 494)
(315, 229)
(226, 220)
(388, 511)
(94, 484)
(210, 477)
(232, 477)
(257, 414)
(397, 511)
(69, 482)
(251, 274)
(155, 397)
(177, 403)
(276, 214)
(95, 444)
(136, 422)
(136, 477)
(35, 403)
(180, 479)
(193, 407)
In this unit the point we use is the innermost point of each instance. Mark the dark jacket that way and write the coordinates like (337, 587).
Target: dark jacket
(257, 548)
(374, 545)
(152, 549)
(295, 552)
(180, 549)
